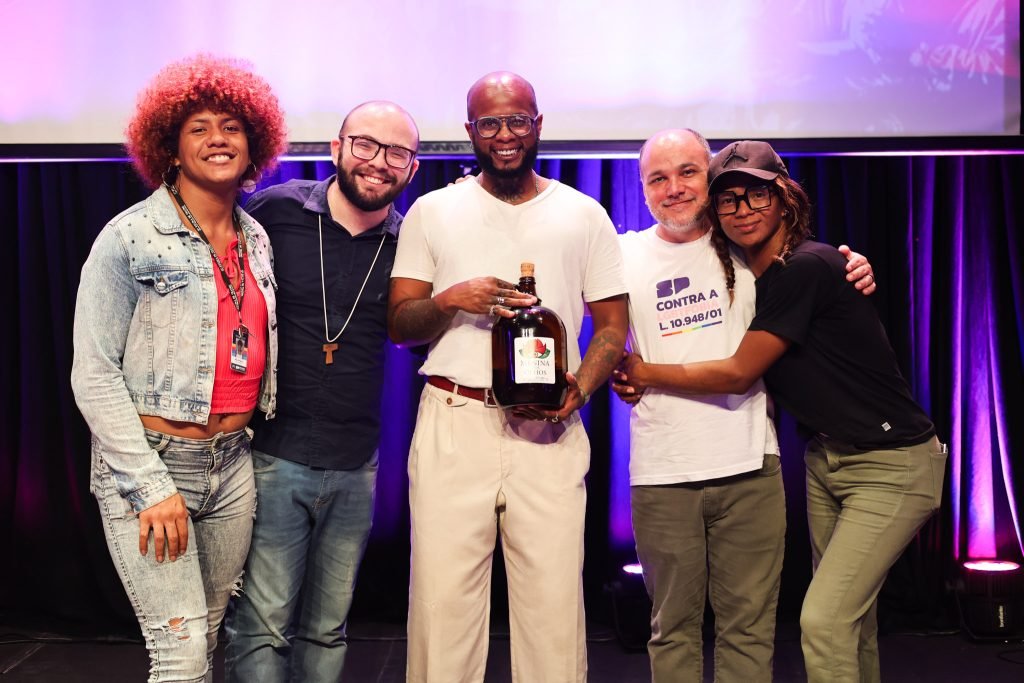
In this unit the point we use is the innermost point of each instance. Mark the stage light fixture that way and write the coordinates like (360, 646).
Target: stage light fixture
(990, 597)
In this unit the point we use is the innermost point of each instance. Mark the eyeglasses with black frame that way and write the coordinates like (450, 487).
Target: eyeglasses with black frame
(519, 124)
(757, 197)
(367, 149)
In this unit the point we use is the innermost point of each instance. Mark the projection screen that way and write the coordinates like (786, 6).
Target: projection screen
(604, 72)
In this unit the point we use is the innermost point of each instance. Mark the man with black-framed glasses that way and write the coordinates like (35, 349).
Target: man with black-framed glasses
(316, 463)
(367, 149)
(475, 470)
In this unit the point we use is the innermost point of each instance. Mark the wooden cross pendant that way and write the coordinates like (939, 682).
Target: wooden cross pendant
(329, 350)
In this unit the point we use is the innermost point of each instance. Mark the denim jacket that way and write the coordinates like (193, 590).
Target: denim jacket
(145, 337)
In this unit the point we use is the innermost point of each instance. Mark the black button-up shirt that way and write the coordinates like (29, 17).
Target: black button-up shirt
(327, 415)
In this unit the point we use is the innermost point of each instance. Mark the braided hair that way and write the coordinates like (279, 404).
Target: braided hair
(718, 239)
(796, 218)
(721, 244)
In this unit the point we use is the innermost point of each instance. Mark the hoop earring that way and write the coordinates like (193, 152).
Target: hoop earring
(248, 185)
(173, 170)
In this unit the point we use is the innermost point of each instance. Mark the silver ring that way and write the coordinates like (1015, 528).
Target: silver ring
(493, 306)
(554, 419)
(501, 301)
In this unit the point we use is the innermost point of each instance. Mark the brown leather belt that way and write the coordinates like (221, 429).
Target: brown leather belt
(444, 384)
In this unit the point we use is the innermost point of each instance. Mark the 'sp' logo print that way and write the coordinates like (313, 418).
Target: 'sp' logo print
(670, 287)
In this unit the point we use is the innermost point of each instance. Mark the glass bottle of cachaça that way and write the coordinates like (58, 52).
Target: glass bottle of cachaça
(528, 354)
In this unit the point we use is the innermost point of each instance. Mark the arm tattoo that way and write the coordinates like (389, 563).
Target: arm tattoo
(603, 354)
(418, 321)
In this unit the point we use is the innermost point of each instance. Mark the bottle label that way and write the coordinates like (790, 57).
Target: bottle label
(535, 360)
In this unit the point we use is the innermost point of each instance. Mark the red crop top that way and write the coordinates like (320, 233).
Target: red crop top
(235, 392)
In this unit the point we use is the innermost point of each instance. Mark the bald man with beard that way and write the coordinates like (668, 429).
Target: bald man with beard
(315, 464)
(475, 470)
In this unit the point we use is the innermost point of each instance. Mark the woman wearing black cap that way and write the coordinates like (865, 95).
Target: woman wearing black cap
(874, 466)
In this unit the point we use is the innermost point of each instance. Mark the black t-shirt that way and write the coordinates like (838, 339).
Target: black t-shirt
(839, 377)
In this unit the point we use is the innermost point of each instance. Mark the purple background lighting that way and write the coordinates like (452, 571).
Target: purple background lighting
(945, 229)
(985, 506)
(943, 233)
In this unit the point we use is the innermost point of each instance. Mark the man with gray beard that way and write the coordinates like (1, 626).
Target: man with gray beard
(316, 463)
(706, 491)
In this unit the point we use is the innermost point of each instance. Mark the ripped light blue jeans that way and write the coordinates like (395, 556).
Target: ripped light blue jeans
(180, 604)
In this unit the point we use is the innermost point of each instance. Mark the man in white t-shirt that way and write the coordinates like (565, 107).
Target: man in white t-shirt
(476, 471)
(707, 498)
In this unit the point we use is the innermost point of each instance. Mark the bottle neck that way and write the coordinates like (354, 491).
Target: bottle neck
(528, 285)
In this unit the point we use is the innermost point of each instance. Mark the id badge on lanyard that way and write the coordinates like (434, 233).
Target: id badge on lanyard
(240, 348)
(240, 335)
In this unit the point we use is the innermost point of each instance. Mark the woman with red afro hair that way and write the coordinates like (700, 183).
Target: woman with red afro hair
(175, 345)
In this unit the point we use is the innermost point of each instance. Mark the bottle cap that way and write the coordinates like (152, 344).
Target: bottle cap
(526, 269)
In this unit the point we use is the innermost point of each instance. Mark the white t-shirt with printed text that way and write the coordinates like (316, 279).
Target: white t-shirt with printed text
(679, 312)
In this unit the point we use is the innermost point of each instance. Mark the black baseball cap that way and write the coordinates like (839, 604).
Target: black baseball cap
(748, 157)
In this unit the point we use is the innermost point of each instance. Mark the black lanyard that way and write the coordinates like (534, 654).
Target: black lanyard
(238, 297)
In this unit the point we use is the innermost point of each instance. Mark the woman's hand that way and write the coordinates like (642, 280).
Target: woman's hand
(168, 520)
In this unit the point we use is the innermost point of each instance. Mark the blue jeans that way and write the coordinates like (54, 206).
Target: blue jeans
(310, 533)
(180, 604)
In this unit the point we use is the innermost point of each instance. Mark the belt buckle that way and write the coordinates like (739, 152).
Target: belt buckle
(489, 398)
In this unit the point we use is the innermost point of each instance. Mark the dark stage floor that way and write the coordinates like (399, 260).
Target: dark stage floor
(377, 655)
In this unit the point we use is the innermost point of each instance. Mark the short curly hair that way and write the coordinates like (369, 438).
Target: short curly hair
(203, 81)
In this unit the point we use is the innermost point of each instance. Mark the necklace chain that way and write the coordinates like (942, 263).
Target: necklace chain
(323, 286)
